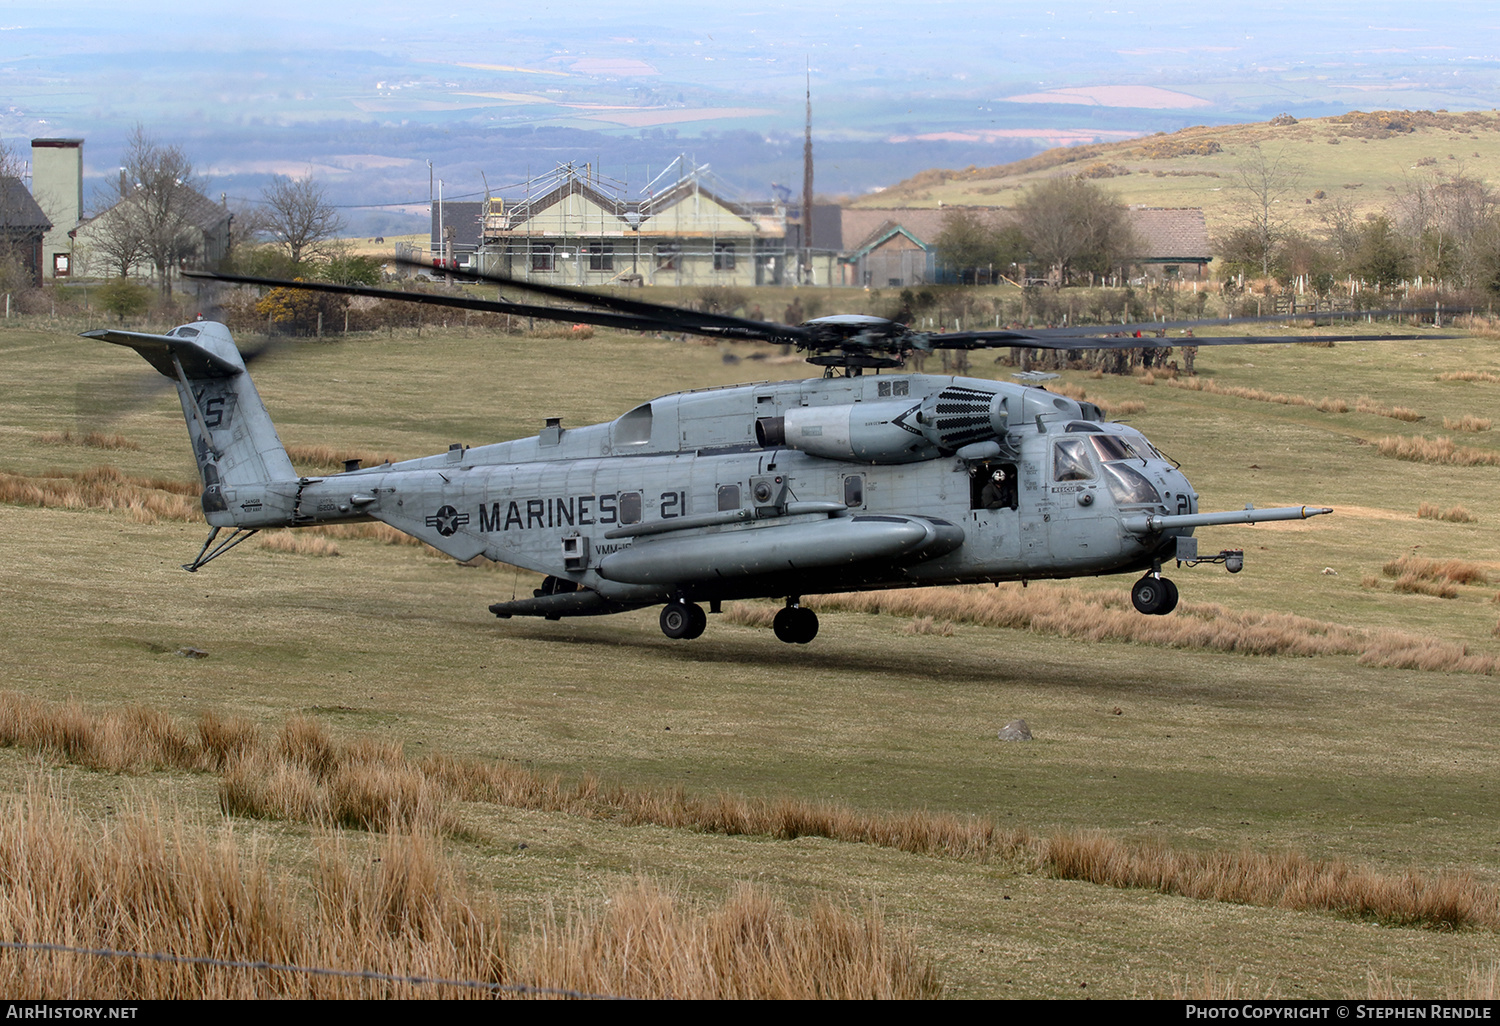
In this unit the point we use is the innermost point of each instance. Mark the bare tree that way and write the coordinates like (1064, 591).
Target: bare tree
(119, 234)
(160, 182)
(298, 217)
(1261, 183)
(1443, 214)
(13, 272)
(1073, 226)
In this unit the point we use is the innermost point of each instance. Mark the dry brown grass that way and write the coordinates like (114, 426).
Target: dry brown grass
(1454, 571)
(146, 500)
(331, 458)
(1364, 404)
(149, 881)
(1213, 985)
(927, 625)
(1421, 449)
(89, 439)
(1123, 408)
(1111, 409)
(1469, 376)
(1073, 613)
(297, 544)
(1284, 880)
(1325, 404)
(1467, 423)
(649, 944)
(1454, 514)
(305, 774)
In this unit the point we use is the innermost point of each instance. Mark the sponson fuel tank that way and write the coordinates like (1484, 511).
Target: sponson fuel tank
(840, 541)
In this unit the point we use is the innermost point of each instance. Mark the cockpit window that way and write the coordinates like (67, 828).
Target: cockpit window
(1070, 460)
(1128, 486)
(1113, 447)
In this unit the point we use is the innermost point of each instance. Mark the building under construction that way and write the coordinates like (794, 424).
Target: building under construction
(573, 227)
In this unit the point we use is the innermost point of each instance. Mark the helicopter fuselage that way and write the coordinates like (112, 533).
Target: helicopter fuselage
(728, 492)
(774, 489)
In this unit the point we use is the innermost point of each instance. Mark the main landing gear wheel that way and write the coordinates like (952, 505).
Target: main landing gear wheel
(683, 620)
(795, 625)
(1155, 596)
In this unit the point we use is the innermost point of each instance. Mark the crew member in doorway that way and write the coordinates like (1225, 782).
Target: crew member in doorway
(992, 496)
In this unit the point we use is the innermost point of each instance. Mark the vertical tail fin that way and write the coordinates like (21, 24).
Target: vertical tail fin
(234, 442)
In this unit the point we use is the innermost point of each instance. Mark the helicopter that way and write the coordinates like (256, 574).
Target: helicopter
(844, 482)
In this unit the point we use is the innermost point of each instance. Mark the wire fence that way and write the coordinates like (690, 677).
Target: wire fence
(357, 974)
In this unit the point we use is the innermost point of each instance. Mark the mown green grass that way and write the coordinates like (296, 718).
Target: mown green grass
(1393, 768)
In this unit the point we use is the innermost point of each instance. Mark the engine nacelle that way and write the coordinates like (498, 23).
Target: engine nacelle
(899, 432)
(878, 432)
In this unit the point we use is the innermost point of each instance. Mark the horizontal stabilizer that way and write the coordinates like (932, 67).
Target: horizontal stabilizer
(203, 352)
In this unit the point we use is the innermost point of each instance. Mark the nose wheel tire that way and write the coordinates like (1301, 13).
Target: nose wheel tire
(1155, 596)
(683, 620)
(795, 625)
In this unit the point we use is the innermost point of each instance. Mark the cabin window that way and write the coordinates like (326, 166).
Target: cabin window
(1070, 460)
(723, 256)
(854, 490)
(729, 497)
(630, 507)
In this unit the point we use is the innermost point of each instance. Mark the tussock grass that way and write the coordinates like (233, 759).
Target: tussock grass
(750, 614)
(1455, 571)
(304, 774)
(146, 500)
(331, 458)
(1467, 423)
(1326, 404)
(927, 625)
(1283, 880)
(1073, 613)
(1469, 376)
(297, 544)
(1421, 449)
(1122, 408)
(1454, 514)
(1364, 404)
(648, 944)
(89, 439)
(1412, 584)
(151, 881)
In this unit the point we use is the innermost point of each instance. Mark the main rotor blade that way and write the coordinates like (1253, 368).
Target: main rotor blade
(1018, 340)
(551, 313)
(1120, 334)
(683, 320)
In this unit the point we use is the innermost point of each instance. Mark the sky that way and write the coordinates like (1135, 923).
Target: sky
(363, 96)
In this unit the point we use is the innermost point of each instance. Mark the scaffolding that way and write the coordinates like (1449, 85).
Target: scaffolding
(575, 226)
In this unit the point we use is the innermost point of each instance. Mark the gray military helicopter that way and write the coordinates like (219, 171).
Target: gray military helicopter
(848, 481)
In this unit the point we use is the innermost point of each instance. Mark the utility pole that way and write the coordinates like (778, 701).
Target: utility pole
(807, 186)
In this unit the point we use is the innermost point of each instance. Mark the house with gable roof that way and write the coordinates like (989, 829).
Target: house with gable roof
(687, 234)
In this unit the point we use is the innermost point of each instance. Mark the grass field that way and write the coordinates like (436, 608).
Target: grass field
(1342, 161)
(1200, 751)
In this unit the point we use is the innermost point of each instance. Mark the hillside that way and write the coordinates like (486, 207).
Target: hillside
(1363, 159)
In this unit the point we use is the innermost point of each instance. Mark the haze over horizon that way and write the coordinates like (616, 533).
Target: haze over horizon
(363, 96)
